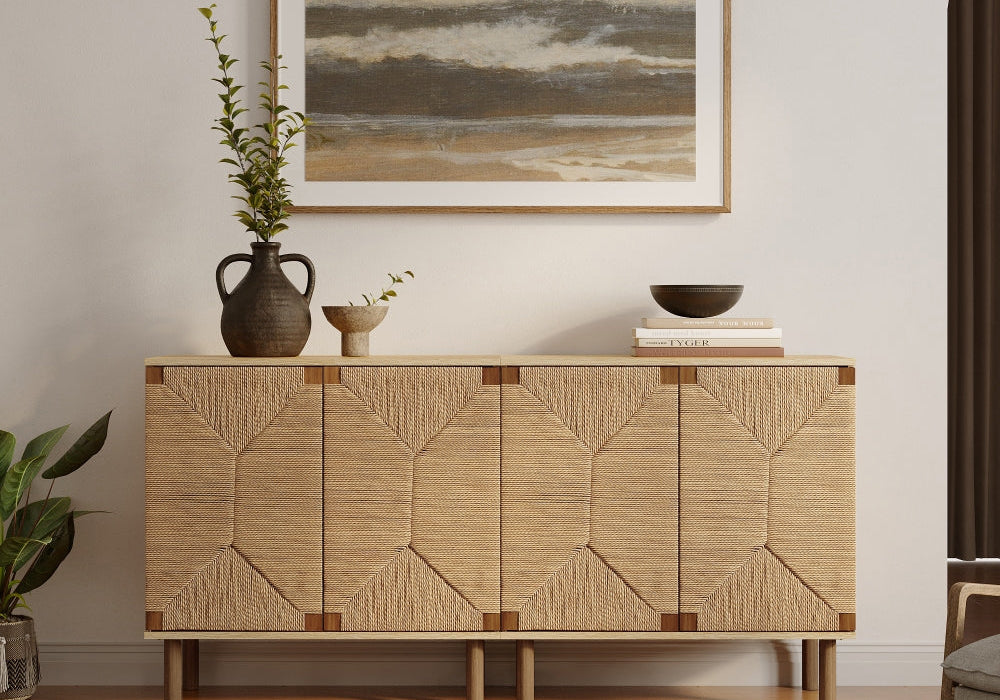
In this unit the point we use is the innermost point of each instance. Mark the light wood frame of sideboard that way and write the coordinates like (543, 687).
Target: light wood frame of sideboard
(818, 648)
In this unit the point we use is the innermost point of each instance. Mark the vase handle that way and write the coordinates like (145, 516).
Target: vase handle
(220, 271)
(310, 271)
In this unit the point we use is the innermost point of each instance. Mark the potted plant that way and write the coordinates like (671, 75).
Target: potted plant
(264, 315)
(37, 536)
(356, 322)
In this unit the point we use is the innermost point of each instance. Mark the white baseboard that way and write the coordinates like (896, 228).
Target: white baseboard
(442, 663)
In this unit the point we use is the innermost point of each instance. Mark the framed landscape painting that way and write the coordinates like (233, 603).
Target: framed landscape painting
(507, 105)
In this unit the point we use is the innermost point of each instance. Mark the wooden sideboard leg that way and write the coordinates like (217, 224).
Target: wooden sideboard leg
(191, 664)
(475, 669)
(525, 669)
(173, 669)
(810, 664)
(827, 669)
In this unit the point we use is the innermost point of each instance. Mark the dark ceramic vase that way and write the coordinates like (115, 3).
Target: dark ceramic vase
(265, 315)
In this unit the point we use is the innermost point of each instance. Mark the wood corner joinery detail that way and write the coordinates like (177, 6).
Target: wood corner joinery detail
(491, 376)
(314, 622)
(331, 622)
(154, 375)
(331, 375)
(848, 622)
(154, 621)
(510, 375)
(670, 622)
(687, 375)
(688, 622)
(845, 376)
(508, 621)
(312, 375)
(669, 375)
(491, 622)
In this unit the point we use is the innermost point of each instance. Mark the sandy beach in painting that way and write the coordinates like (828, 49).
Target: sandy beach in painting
(556, 149)
(518, 90)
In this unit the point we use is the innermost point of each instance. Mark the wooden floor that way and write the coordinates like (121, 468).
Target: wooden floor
(425, 693)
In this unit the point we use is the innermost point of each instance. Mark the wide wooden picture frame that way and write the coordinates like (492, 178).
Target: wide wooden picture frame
(650, 160)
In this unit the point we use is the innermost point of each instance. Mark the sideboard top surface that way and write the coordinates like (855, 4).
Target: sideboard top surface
(497, 360)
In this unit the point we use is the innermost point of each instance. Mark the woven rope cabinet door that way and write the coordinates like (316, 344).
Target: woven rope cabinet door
(233, 499)
(589, 498)
(412, 499)
(767, 499)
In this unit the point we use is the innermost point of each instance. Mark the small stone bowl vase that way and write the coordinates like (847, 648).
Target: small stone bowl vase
(354, 324)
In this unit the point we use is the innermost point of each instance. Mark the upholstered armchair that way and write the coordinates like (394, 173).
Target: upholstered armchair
(972, 671)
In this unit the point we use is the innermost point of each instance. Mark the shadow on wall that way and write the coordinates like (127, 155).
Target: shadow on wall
(610, 335)
(786, 668)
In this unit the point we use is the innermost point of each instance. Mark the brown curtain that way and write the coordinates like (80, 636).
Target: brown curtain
(973, 279)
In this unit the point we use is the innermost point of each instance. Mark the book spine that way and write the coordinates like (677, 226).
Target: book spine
(708, 322)
(708, 342)
(708, 352)
(707, 333)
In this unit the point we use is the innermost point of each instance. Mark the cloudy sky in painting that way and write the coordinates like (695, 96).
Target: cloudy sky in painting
(518, 44)
(487, 58)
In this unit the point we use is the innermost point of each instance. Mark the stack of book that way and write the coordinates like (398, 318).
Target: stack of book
(707, 337)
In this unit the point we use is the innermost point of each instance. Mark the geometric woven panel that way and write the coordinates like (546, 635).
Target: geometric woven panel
(812, 491)
(573, 394)
(234, 497)
(586, 589)
(367, 481)
(408, 595)
(237, 402)
(230, 594)
(589, 498)
(412, 498)
(763, 595)
(772, 403)
(767, 498)
(415, 402)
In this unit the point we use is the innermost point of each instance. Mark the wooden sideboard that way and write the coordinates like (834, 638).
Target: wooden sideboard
(500, 497)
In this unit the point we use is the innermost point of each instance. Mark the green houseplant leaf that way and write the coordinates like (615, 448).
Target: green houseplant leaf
(15, 552)
(49, 558)
(387, 293)
(16, 481)
(38, 534)
(86, 446)
(257, 151)
(7, 443)
(40, 518)
(43, 444)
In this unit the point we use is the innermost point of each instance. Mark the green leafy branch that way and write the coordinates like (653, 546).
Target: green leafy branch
(37, 535)
(259, 150)
(387, 293)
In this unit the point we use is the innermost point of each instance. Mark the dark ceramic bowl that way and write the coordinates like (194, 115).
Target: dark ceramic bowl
(696, 300)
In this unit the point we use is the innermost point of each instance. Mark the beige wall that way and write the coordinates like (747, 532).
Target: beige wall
(115, 215)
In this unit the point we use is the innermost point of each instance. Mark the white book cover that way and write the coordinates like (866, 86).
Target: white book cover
(706, 332)
(708, 342)
(714, 322)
